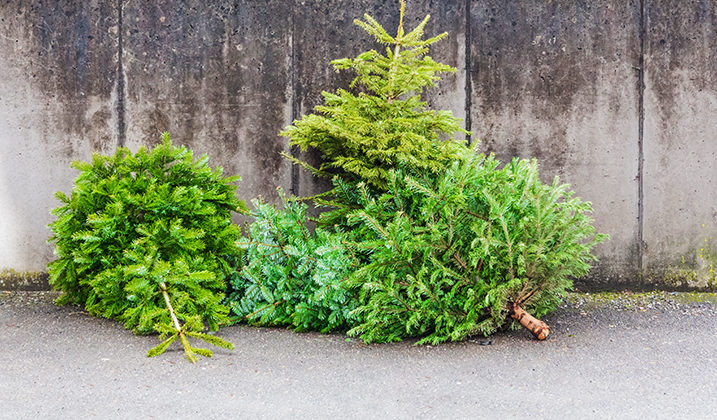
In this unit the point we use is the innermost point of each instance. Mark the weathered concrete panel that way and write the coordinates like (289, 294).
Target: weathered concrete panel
(680, 143)
(57, 75)
(324, 31)
(215, 75)
(557, 80)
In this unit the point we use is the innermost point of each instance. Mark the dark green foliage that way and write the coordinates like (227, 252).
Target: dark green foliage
(450, 254)
(292, 276)
(385, 125)
(137, 224)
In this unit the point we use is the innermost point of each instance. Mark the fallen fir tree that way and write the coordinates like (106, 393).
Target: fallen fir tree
(145, 239)
(466, 252)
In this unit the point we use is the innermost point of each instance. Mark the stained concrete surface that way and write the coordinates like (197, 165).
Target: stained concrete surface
(216, 76)
(57, 67)
(647, 362)
(556, 80)
(681, 143)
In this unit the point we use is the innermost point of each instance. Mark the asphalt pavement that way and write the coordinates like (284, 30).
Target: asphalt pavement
(647, 361)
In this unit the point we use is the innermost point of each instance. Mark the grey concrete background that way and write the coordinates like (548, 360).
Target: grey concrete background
(617, 98)
(680, 173)
(557, 81)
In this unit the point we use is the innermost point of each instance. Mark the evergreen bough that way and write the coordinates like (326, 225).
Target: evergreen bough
(145, 239)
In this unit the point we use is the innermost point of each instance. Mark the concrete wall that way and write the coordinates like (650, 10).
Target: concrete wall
(618, 98)
(559, 81)
(680, 142)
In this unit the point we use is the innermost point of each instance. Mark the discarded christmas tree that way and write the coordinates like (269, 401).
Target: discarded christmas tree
(464, 252)
(385, 124)
(145, 239)
(292, 275)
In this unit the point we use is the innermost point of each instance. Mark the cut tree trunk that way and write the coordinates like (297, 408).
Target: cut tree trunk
(188, 351)
(169, 306)
(540, 329)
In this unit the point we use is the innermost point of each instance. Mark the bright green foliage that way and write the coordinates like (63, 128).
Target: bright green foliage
(292, 276)
(137, 224)
(192, 328)
(449, 255)
(385, 125)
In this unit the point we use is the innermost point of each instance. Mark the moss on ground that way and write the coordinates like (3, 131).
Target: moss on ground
(632, 300)
(23, 280)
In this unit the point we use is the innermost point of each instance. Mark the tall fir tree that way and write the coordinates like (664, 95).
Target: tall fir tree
(383, 123)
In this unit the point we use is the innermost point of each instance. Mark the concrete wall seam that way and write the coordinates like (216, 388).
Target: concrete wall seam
(121, 79)
(469, 70)
(640, 140)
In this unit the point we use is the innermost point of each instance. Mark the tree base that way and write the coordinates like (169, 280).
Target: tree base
(540, 329)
